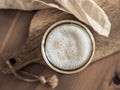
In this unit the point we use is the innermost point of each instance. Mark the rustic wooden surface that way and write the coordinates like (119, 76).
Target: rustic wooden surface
(101, 75)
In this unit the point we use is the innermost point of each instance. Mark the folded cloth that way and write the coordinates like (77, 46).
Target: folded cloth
(85, 10)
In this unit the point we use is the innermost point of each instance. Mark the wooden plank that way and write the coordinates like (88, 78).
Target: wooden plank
(102, 75)
(97, 76)
(14, 28)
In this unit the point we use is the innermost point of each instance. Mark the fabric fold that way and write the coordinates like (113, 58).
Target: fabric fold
(86, 11)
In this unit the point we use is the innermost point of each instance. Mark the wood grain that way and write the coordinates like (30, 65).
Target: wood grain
(29, 51)
(102, 75)
(98, 76)
(43, 19)
(13, 30)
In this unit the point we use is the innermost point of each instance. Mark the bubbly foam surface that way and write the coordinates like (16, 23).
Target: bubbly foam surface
(68, 46)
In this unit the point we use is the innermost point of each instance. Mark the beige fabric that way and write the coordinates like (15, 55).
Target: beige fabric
(85, 10)
(21, 4)
(90, 13)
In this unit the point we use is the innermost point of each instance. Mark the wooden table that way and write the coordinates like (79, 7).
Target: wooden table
(101, 75)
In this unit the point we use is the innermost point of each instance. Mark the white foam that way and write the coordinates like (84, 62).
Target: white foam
(68, 46)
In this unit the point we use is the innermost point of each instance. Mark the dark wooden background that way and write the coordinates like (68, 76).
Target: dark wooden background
(101, 75)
